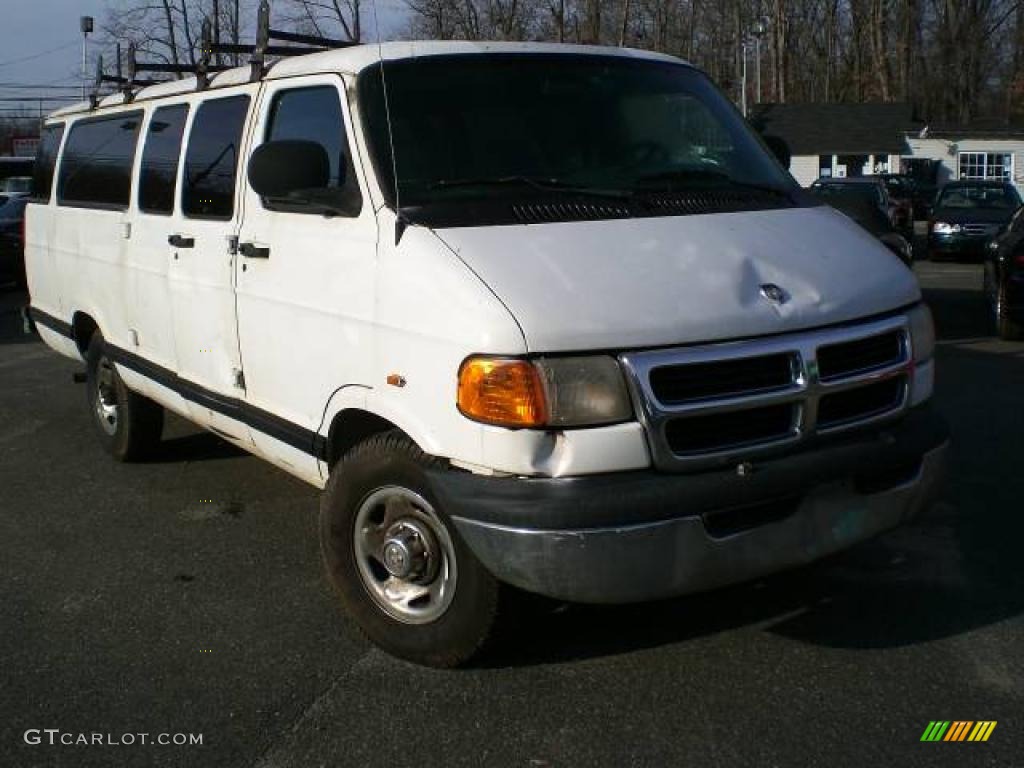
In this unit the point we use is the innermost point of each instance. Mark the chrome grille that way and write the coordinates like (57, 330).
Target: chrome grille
(677, 384)
(706, 405)
(849, 358)
(979, 230)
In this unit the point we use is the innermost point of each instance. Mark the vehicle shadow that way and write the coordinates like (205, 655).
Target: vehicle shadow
(960, 314)
(12, 330)
(196, 446)
(955, 569)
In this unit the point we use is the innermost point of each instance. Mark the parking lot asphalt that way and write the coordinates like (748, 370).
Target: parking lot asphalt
(186, 595)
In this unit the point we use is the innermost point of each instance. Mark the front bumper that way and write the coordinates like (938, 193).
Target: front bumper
(636, 536)
(1014, 295)
(958, 246)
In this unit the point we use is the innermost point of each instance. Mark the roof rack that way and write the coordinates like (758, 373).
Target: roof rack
(202, 69)
(266, 37)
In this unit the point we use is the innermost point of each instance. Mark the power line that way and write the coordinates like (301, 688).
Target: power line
(39, 55)
(36, 100)
(40, 87)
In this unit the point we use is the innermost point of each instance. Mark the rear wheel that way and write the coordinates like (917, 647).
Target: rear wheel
(397, 562)
(128, 425)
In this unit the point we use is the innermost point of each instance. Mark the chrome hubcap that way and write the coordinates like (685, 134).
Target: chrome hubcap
(108, 409)
(404, 555)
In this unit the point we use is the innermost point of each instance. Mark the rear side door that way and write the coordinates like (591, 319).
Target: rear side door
(200, 240)
(305, 277)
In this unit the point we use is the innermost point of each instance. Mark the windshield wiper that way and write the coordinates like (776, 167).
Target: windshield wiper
(536, 182)
(683, 176)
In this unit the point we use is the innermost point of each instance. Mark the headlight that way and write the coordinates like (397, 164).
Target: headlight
(922, 342)
(945, 228)
(922, 333)
(584, 391)
(550, 392)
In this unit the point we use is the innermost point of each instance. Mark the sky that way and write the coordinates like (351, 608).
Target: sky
(40, 44)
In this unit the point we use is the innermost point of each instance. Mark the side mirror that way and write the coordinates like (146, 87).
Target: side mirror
(780, 149)
(283, 170)
(900, 246)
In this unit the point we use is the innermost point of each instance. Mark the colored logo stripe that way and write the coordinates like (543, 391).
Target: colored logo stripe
(958, 730)
(935, 730)
(982, 730)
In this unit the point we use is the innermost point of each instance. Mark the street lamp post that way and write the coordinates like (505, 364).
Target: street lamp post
(85, 23)
(759, 29)
(743, 80)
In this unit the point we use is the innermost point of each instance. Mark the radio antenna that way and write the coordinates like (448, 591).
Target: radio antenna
(400, 223)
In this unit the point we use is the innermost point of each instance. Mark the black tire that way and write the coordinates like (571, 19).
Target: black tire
(132, 431)
(390, 463)
(1007, 328)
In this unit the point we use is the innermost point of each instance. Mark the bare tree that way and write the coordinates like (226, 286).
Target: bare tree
(326, 18)
(952, 59)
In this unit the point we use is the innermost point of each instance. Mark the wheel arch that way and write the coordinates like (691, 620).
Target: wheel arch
(83, 326)
(351, 426)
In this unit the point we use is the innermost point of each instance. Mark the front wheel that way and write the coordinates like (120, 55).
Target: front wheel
(128, 425)
(396, 561)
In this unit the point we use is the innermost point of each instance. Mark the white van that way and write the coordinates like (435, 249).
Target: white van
(536, 315)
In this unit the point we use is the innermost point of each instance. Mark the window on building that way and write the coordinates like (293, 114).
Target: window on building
(997, 166)
(159, 174)
(211, 163)
(314, 114)
(825, 166)
(46, 162)
(96, 168)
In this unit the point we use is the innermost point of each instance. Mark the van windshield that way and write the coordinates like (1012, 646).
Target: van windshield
(472, 127)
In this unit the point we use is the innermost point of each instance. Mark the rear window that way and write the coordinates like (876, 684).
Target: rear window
(867, 192)
(96, 167)
(13, 208)
(159, 175)
(211, 163)
(46, 162)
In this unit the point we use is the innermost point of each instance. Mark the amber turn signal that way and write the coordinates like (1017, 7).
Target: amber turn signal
(502, 391)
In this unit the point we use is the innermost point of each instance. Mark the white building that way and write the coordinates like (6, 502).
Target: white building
(862, 139)
(971, 152)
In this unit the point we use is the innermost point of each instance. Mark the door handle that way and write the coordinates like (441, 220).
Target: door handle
(253, 251)
(179, 241)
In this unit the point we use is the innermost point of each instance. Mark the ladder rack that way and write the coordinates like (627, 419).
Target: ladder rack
(267, 44)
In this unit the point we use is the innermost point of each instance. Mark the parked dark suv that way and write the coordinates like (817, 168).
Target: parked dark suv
(967, 215)
(1004, 278)
(901, 191)
(864, 200)
(12, 246)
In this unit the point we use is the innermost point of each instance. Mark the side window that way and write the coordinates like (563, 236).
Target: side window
(46, 163)
(211, 162)
(158, 177)
(314, 114)
(96, 168)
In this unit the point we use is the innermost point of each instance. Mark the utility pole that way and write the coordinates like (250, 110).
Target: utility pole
(85, 23)
(216, 29)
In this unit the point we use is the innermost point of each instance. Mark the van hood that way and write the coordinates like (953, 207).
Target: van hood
(632, 283)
